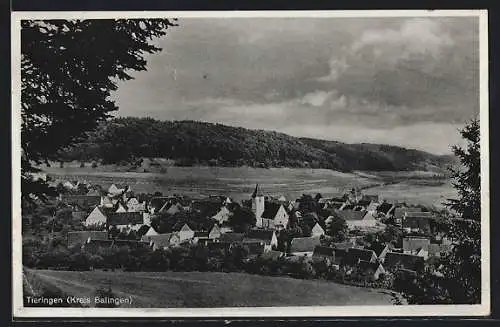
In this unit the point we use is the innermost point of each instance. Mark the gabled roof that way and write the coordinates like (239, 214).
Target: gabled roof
(415, 243)
(385, 207)
(160, 240)
(201, 234)
(400, 211)
(270, 210)
(158, 202)
(82, 237)
(260, 234)
(407, 261)
(257, 192)
(232, 237)
(304, 244)
(324, 251)
(354, 255)
(351, 215)
(125, 218)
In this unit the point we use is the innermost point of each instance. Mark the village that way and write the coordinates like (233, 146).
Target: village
(366, 238)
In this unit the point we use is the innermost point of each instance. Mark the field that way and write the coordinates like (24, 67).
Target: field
(238, 182)
(201, 289)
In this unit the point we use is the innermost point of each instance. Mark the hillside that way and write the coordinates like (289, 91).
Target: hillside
(202, 289)
(124, 140)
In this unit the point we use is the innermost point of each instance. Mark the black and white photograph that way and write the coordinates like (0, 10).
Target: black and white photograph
(330, 163)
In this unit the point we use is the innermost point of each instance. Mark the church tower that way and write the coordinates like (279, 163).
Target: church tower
(257, 202)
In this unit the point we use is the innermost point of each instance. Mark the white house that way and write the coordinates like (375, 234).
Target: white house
(151, 231)
(185, 233)
(121, 208)
(96, 217)
(215, 232)
(134, 205)
(357, 219)
(223, 215)
(317, 230)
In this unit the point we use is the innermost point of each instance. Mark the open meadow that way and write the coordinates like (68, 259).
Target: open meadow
(238, 182)
(202, 289)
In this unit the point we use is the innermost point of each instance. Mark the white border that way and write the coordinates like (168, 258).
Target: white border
(482, 309)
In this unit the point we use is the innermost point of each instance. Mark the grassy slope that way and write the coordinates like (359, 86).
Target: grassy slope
(197, 289)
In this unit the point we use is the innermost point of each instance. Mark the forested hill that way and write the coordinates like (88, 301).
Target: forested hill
(188, 142)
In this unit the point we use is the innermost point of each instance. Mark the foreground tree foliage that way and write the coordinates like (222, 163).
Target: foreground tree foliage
(68, 70)
(459, 278)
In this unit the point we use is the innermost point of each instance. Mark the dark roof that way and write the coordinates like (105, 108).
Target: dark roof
(402, 260)
(260, 234)
(350, 215)
(324, 251)
(420, 222)
(82, 237)
(125, 218)
(364, 203)
(232, 237)
(201, 234)
(304, 244)
(354, 255)
(385, 207)
(335, 205)
(255, 247)
(368, 266)
(348, 206)
(270, 210)
(257, 192)
(159, 202)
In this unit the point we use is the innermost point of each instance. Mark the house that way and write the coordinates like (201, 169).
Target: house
(273, 255)
(225, 229)
(394, 261)
(81, 201)
(268, 236)
(79, 215)
(125, 221)
(69, 186)
(93, 245)
(304, 246)
(274, 216)
(81, 237)
(96, 218)
(255, 247)
(354, 255)
(121, 207)
(222, 215)
(157, 203)
(386, 249)
(386, 209)
(369, 271)
(339, 257)
(417, 246)
(215, 232)
(324, 253)
(317, 230)
(438, 250)
(400, 212)
(162, 241)
(357, 219)
(134, 205)
(118, 189)
(107, 202)
(151, 232)
(232, 238)
(417, 222)
(171, 209)
(370, 198)
(185, 233)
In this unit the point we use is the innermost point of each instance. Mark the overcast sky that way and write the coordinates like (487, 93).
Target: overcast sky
(404, 81)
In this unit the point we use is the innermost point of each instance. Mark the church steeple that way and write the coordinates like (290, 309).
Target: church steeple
(257, 192)
(258, 202)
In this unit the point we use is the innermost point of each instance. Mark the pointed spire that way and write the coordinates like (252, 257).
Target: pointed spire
(257, 192)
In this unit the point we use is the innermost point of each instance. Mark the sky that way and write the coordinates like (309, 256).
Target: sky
(404, 81)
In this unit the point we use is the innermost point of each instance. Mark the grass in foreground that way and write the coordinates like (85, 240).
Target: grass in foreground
(201, 289)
